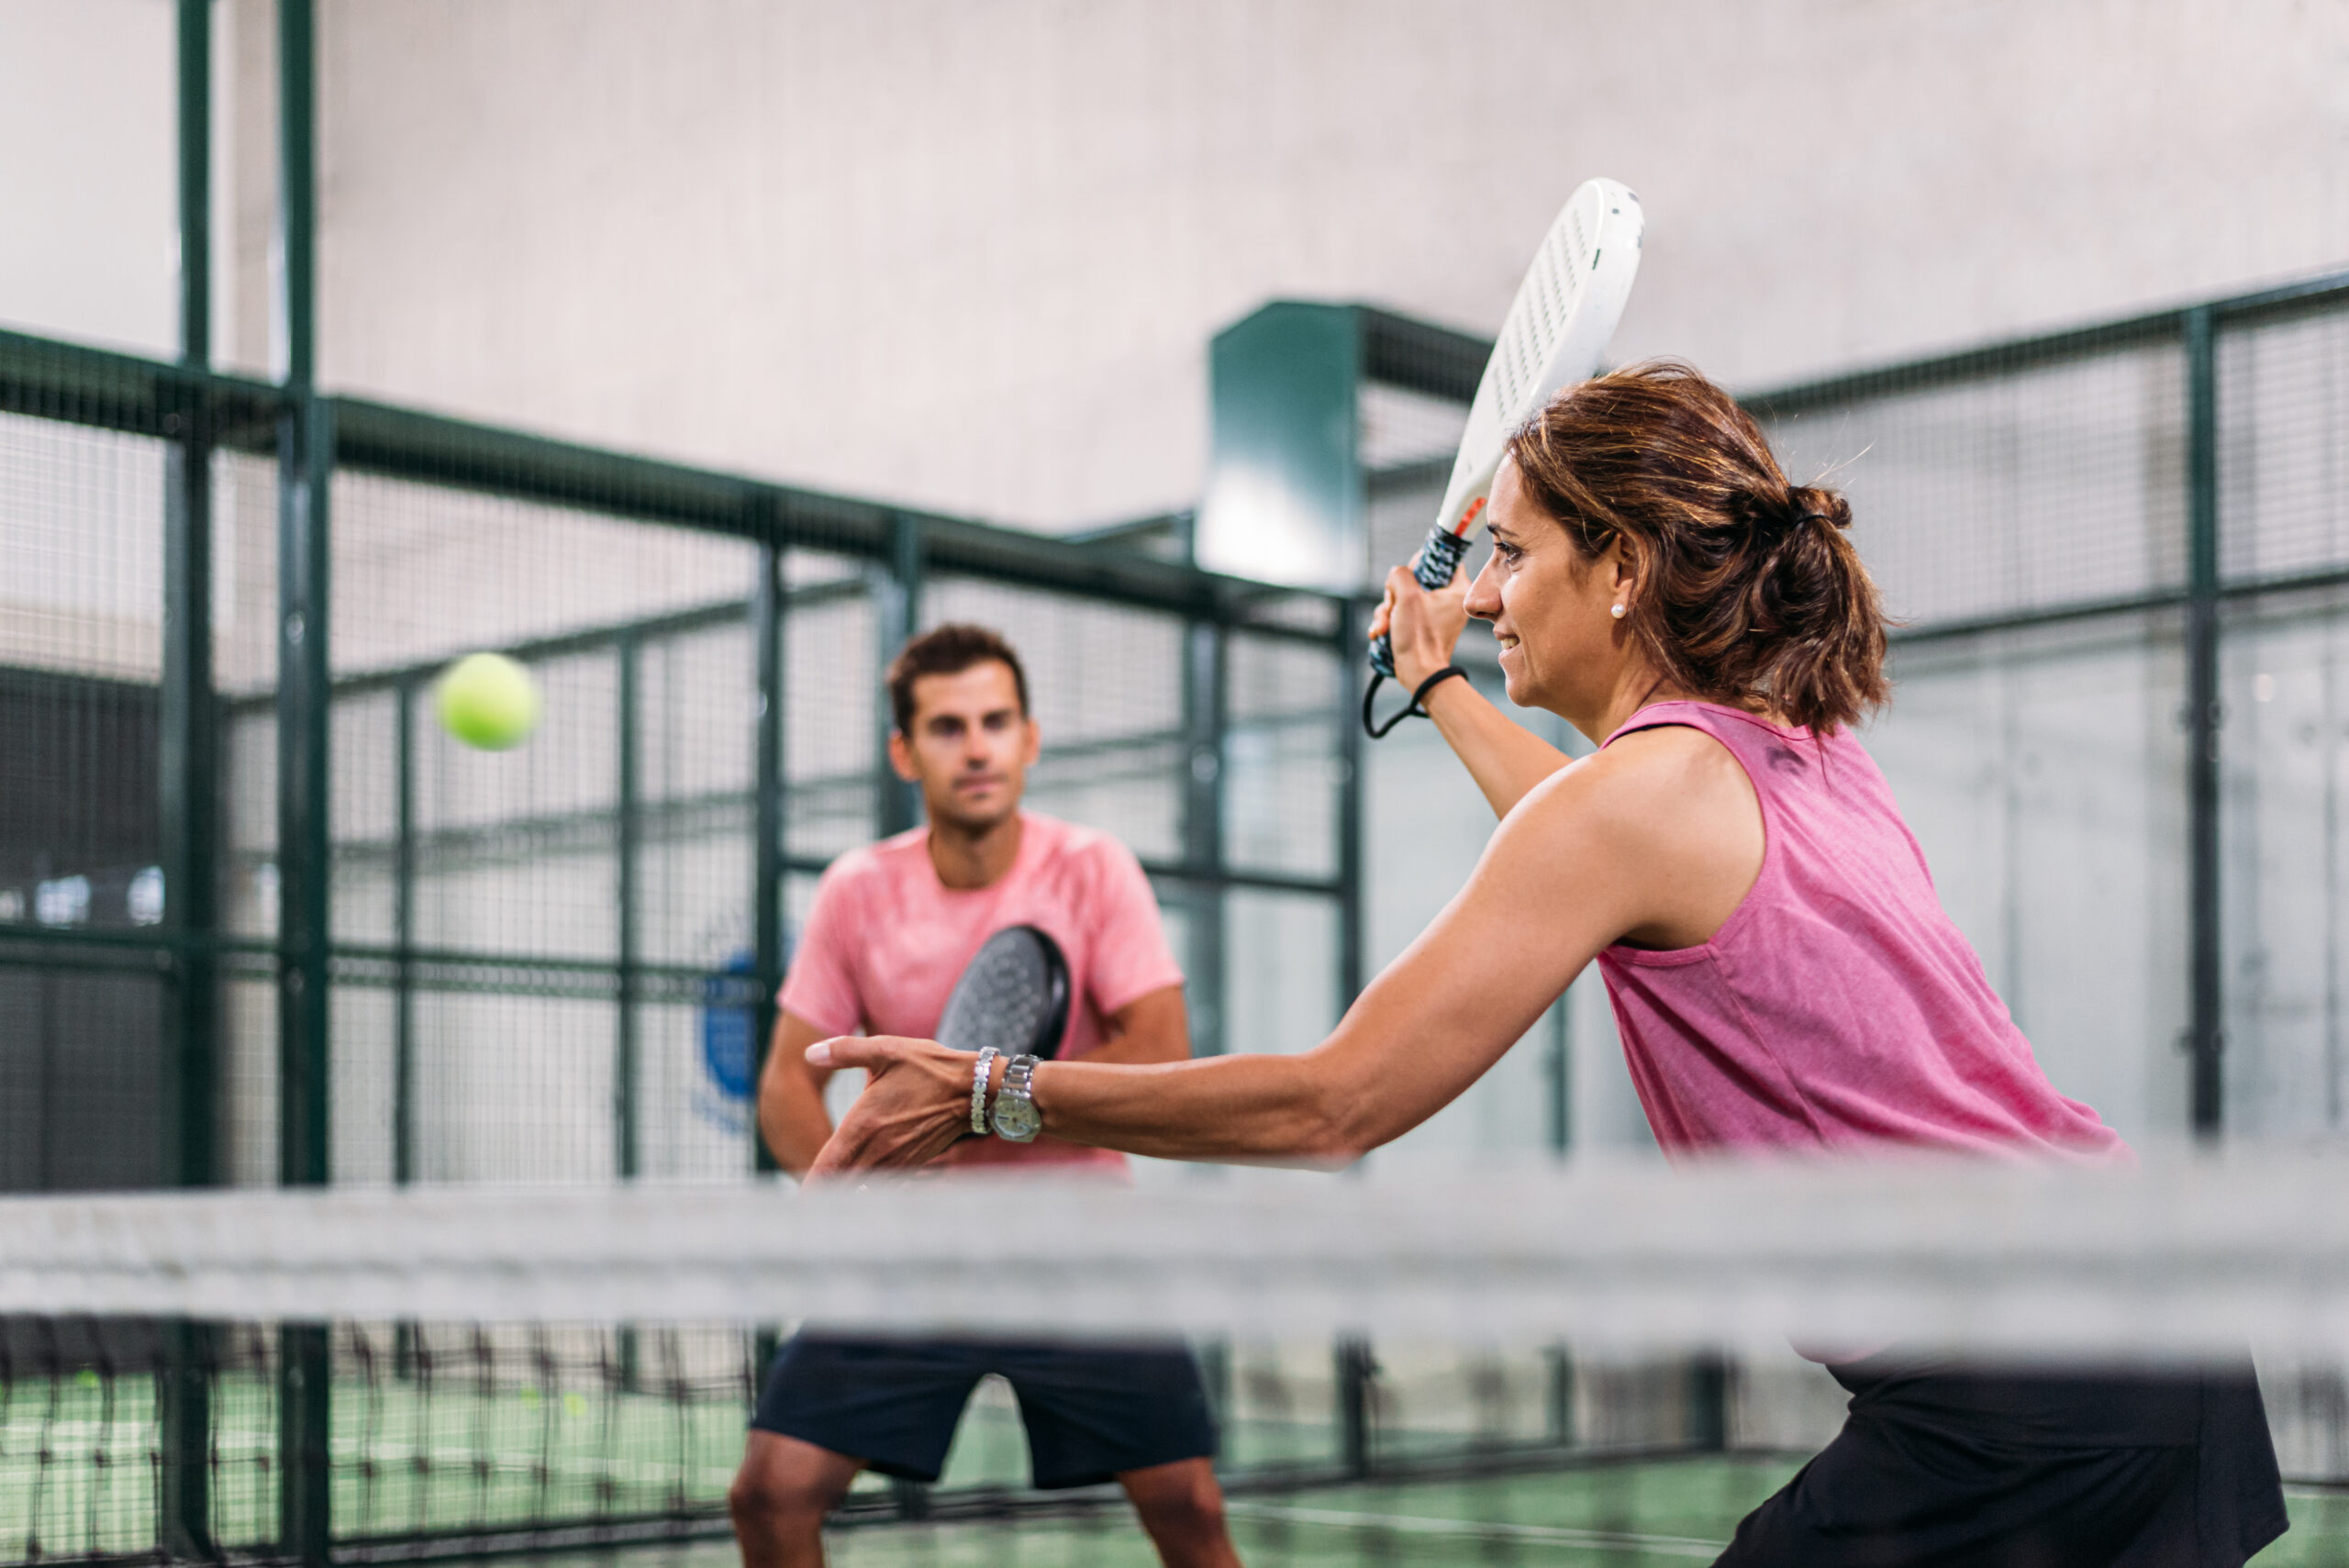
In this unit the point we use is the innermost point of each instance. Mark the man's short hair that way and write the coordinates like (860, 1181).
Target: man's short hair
(949, 650)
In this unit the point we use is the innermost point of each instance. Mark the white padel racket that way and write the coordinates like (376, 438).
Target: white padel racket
(1555, 332)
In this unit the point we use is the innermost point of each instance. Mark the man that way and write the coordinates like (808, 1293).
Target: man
(891, 929)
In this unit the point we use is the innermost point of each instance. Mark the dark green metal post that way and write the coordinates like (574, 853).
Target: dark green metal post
(625, 1152)
(194, 147)
(898, 607)
(404, 932)
(304, 870)
(1707, 1417)
(306, 459)
(1204, 719)
(1558, 1066)
(1558, 1365)
(768, 823)
(2206, 1038)
(294, 298)
(899, 804)
(626, 891)
(1350, 676)
(1357, 1370)
(189, 789)
(306, 466)
(404, 1335)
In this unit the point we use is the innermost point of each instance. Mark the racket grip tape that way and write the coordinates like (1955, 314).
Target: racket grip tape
(1437, 563)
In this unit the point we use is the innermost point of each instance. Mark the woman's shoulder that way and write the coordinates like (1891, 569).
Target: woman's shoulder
(1638, 768)
(1656, 805)
(1633, 785)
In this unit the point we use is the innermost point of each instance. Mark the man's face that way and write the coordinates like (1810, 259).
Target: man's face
(969, 746)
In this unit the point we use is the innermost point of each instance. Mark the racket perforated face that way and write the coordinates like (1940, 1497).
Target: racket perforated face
(1555, 332)
(1013, 995)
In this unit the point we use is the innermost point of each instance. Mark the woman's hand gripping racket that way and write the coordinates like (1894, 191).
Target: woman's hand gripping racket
(1555, 332)
(1012, 996)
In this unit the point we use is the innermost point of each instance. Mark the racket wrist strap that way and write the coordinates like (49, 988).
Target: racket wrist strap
(1417, 708)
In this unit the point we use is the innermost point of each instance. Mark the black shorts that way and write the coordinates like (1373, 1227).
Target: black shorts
(1091, 1412)
(1937, 1465)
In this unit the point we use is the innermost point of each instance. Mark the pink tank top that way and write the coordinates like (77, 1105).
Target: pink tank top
(1837, 1007)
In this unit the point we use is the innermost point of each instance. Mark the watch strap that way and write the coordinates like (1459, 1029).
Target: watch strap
(1019, 1077)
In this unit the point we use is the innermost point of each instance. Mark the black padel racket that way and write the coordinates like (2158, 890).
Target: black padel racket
(1013, 995)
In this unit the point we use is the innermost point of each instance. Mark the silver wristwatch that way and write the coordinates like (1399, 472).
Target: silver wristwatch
(1017, 1119)
(987, 1054)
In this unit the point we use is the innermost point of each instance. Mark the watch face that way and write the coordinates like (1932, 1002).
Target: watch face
(1016, 1118)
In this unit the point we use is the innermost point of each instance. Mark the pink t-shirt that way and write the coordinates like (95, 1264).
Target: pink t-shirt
(1837, 1007)
(886, 941)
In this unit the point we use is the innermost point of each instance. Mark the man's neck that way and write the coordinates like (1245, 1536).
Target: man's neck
(966, 858)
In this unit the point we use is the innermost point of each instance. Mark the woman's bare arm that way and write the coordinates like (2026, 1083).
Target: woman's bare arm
(1644, 839)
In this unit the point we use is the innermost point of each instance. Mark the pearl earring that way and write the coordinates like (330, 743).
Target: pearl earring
(1619, 611)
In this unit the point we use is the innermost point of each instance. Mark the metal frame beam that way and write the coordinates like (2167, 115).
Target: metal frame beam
(1205, 657)
(1352, 932)
(99, 388)
(2206, 1037)
(896, 615)
(306, 455)
(188, 787)
(769, 818)
(626, 893)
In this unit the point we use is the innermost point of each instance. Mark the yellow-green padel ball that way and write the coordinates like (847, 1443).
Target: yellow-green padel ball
(489, 701)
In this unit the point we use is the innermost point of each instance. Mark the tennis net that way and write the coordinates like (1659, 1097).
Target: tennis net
(375, 1374)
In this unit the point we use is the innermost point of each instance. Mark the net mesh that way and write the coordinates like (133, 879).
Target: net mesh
(562, 1366)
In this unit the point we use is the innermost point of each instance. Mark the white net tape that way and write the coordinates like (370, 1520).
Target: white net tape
(2181, 1258)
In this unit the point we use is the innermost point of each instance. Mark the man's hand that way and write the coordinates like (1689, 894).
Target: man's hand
(916, 1104)
(1426, 625)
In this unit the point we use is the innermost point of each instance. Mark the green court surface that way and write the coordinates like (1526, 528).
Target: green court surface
(518, 1455)
(1628, 1515)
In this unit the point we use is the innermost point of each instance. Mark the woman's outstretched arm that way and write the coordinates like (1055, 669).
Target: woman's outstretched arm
(1646, 838)
(1505, 758)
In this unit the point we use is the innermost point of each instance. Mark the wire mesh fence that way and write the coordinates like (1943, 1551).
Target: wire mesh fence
(545, 964)
(551, 964)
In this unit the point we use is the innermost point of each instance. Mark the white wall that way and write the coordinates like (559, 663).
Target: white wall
(89, 244)
(88, 238)
(969, 254)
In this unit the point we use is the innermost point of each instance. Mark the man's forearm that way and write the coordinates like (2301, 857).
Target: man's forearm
(793, 1121)
(792, 1118)
(1151, 1028)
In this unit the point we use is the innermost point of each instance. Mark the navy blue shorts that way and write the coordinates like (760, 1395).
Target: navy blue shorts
(1944, 1467)
(1091, 1413)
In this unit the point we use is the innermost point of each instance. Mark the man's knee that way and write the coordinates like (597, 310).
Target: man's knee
(785, 1482)
(1181, 1499)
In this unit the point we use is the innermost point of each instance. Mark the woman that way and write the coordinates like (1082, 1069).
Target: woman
(1783, 976)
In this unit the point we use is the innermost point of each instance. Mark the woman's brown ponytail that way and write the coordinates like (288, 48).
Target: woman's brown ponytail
(1748, 587)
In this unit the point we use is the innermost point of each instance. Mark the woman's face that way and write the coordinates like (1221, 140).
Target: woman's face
(1562, 647)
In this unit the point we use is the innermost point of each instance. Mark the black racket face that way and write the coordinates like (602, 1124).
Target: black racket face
(1013, 995)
